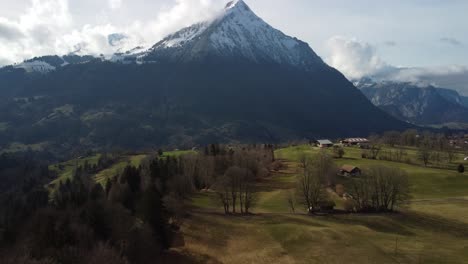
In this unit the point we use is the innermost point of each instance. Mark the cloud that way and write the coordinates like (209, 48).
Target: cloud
(9, 31)
(354, 58)
(451, 41)
(47, 27)
(115, 4)
(452, 77)
(357, 59)
(390, 43)
(184, 13)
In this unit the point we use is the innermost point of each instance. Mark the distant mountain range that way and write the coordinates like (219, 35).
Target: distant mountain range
(422, 105)
(234, 78)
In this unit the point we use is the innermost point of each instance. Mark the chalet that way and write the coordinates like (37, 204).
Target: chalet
(324, 143)
(350, 171)
(355, 141)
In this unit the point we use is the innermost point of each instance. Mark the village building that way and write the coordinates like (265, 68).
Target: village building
(350, 171)
(324, 143)
(355, 142)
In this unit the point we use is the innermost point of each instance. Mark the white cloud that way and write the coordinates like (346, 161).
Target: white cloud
(354, 58)
(452, 76)
(357, 59)
(451, 41)
(47, 27)
(9, 31)
(184, 13)
(115, 4)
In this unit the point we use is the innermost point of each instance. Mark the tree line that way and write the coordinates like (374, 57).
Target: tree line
(433, 149)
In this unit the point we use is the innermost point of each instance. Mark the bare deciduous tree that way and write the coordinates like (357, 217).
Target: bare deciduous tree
(304, 158)
(237, 187)
(223, 192)
(380, 188)
(374, 151)
(425, 152)
(292, 201)
(325, 166)
(319, 170)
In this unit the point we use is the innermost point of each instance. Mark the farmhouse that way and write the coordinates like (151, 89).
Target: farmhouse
(324, 143)
(355, 141)
(350, 171)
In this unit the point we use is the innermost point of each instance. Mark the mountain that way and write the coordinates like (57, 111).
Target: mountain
(425, 105)
(453, 96)
(47, 64)
(234, 78)
(236, 34)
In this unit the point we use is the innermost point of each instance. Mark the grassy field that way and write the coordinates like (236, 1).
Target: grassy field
(434, 229)
(65, 169)
(134, 160)
(177, 153)
(118, 168)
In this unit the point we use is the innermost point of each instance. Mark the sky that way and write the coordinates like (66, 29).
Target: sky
(407, 40)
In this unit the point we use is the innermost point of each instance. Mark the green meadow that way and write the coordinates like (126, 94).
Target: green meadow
(432, 229)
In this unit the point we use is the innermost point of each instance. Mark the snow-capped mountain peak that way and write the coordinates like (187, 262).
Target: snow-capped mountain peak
(237, 4)
(237, 32)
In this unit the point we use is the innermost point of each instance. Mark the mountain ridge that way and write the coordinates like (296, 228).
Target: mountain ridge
(422, 105)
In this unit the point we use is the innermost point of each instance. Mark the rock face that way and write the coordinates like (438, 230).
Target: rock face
(425, 105)
(234, 78)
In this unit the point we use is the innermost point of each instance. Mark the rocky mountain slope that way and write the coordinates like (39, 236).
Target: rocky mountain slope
(425, 105)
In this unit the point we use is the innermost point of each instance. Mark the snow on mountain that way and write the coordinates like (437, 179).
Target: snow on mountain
(131, 56)
(47, 64)
(183, 36)
(36, 66)
(237, 32)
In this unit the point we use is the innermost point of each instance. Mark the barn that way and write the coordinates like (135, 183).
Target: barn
(355, 141)
(350, 171)
(324, 143)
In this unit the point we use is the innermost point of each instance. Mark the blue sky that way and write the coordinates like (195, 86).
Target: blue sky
(347, 34)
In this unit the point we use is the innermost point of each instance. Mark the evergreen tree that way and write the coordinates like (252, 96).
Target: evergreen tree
(151, 210)
(461, 168)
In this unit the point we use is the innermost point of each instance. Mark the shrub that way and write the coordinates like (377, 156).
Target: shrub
(278, 165)
(461, 168)
(338, 152)
(327, 205)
